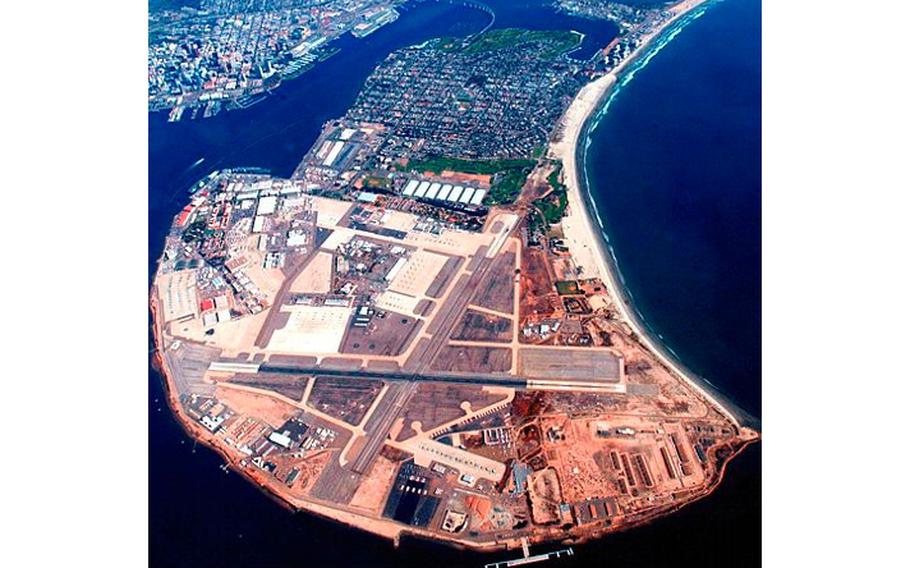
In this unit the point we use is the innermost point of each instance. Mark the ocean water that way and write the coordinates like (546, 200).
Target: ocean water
(200, 516)
(674, 166)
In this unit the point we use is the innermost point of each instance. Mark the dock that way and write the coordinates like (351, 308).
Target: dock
(528, 559)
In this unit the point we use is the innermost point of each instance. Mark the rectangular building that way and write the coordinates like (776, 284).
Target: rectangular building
(267, 205)
(456, 193)
(410, 187)
(333, 153)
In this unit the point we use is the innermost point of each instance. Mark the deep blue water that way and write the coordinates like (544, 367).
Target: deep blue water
(202, 517)
(536, 15)
(675, 168)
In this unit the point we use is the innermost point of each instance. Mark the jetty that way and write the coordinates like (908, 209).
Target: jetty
(526, 557)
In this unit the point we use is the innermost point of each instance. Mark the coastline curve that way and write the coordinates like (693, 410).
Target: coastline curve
(596, 99)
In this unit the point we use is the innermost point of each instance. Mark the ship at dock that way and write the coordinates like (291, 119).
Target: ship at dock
(373, 21)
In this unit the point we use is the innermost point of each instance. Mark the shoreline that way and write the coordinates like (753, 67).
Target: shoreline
(368, 524)
(579, 225)
(382, 528)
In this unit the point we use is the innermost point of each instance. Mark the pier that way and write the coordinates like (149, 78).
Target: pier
(528, 559)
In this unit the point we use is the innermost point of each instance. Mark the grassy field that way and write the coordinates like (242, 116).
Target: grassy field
(553, 206)
(508, 184)
(557, 42)
(375, 182)
(567, 287)
(549, 210)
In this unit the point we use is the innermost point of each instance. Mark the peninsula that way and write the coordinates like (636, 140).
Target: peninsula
(420, 330)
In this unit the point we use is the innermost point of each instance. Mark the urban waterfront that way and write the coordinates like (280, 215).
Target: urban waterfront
(199, 515)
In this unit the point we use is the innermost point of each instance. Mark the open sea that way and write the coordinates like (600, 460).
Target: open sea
(674, 166)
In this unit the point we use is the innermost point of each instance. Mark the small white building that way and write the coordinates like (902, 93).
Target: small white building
(267, 205)
(280, 439)
(210, 423)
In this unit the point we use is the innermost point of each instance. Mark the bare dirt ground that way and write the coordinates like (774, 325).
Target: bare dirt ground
(287, 385)
(466, 178)
(535, 272)
(310, 470)
(496, 292)
(346, 399)
(390, 335)
(538, 292)
(372, 491)
(272, 411)
(477, 326)
(473, 359)
(435, 404)
(545, 496)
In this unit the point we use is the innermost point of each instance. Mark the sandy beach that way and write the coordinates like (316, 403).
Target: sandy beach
(582, 232)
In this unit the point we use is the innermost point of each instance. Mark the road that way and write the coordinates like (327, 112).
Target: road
(377, 428)
(338, 483)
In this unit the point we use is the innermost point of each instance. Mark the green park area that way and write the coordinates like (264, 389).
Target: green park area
(555, 42)
(550, 209)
